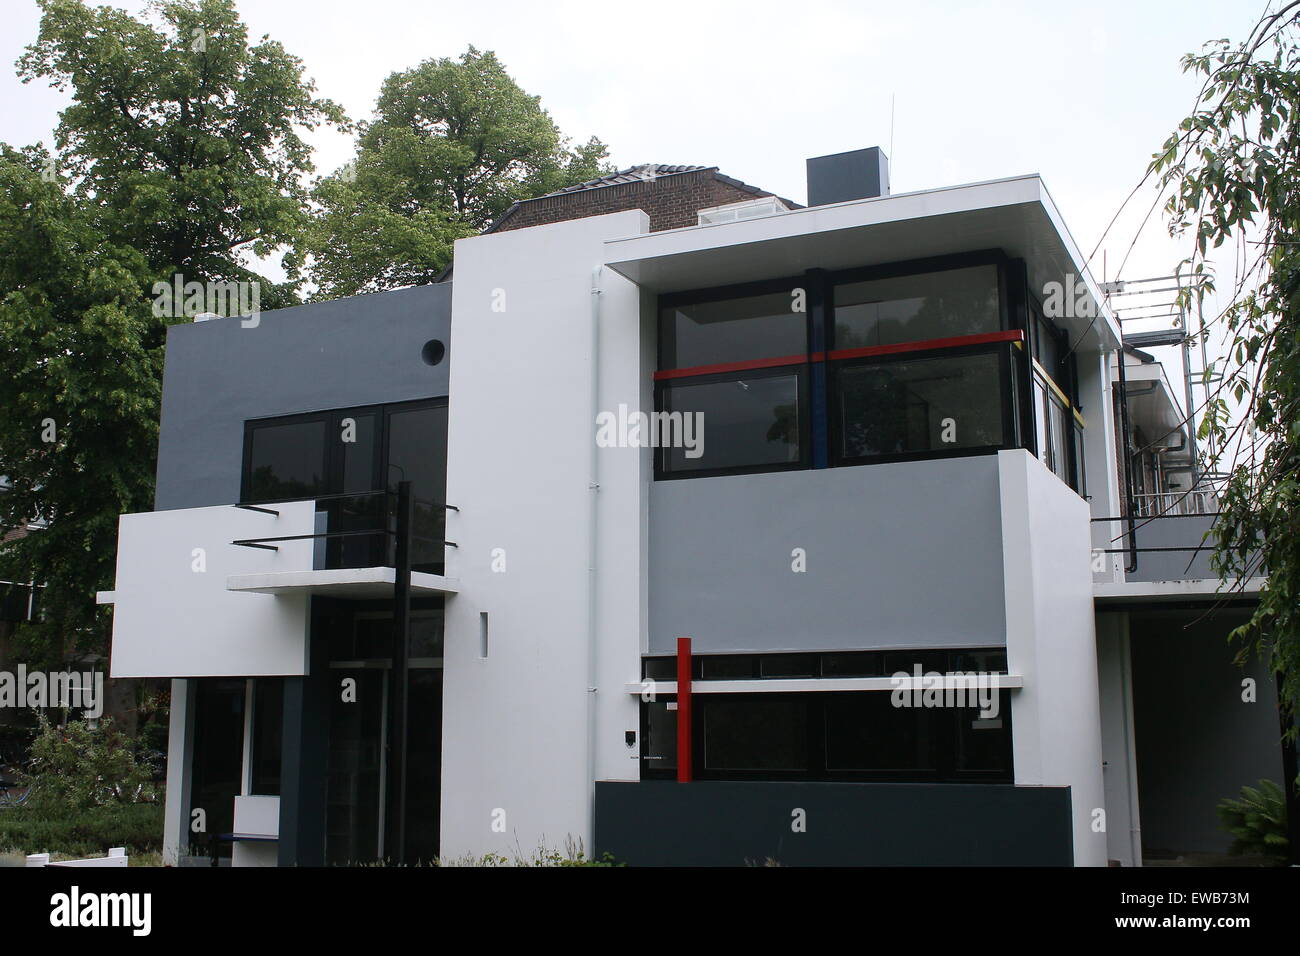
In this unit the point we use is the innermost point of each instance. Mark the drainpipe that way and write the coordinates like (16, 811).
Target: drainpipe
(593, 487)
(1131, 566)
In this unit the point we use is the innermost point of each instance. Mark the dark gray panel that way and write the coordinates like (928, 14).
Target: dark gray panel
(359, 351)
(715, 823)
(840, 177)
(1197, 740)
(1170, 532)
(898, 555)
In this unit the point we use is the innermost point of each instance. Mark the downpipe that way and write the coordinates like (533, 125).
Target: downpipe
(593, 488)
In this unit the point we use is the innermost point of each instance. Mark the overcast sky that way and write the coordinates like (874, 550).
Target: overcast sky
(1080, 93)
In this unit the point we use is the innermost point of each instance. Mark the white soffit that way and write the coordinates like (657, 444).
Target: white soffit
(1016, 215)
(344, 583)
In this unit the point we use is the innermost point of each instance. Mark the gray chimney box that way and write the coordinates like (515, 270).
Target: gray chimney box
(840, 177)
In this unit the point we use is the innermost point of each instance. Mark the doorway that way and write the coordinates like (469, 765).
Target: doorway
(357, 787)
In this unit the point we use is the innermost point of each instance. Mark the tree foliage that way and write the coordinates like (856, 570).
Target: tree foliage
(79, 391)
(185, 139)
(1232, 171)
(452, 144)
(180, 152)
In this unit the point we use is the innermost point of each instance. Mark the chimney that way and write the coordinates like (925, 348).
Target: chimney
(840, 177)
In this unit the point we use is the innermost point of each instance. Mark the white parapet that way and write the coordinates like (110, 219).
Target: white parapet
(173, 613)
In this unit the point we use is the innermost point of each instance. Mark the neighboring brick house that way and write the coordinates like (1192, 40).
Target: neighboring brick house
(671, 196)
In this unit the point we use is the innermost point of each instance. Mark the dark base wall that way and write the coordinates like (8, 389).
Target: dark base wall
(1197, 740)
(713, 823)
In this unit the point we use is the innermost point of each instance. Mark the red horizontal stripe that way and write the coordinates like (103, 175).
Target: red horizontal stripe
(738, 366)
(1013, 335)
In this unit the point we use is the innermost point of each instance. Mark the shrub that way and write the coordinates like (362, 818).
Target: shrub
(79, 766)
(1257, 821)
(82, 833)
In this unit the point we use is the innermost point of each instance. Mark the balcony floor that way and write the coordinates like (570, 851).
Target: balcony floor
(356, 583)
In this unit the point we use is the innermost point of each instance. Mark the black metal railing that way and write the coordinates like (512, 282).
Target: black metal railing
(362, 530)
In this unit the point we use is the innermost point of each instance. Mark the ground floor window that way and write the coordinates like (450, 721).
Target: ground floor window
(859, 735)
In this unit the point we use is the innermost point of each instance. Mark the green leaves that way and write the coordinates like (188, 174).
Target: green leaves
(185, 139)
(1231, 169)
(452, 144)
(181, 151)
(1257, 821)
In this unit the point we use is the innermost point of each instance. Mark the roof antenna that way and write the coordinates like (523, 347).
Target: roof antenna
(891, 134)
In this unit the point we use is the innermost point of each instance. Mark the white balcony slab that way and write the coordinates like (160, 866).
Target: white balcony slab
(1207, 590)
(341, 583)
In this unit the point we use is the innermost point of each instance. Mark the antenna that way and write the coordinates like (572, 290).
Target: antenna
(891, 134)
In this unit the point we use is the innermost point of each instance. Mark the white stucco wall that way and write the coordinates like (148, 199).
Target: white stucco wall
(1119, 744)
(1051, 642)
(515, 772)
(172, 613)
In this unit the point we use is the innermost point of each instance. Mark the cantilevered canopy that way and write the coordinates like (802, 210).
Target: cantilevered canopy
(1016, 215)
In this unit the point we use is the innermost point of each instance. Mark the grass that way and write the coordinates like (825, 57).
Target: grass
(70, 835)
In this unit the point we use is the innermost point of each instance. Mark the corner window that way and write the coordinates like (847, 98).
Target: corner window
(732, 330)
(883, 363)
(938, 403)
(914, 308)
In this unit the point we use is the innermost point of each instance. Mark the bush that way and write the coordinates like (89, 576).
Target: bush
(79, 766)
(1257, 821)
(82, 833)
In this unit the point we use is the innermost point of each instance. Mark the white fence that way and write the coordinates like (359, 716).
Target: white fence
(116, 857)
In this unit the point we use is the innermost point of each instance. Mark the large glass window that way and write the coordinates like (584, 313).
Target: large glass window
(832, 735)
(839, 368)
(937, 403)
(914, 308)
(747, 421)
(417, 452)
(268, 726)
(355, 452)
(287, 460)
(732, 330)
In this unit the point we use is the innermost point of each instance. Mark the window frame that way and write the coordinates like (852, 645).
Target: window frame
(835, 405)
(820, 401)
(802, 375)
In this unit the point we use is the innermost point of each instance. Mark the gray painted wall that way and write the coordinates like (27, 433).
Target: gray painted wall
(1197, 741)
(1169, 532)
(898, 555)
(364, 350)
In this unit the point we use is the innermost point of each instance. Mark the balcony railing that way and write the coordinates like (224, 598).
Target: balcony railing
(359, 530)
(1199, 501)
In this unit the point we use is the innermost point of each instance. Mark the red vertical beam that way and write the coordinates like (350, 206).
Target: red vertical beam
(683, 710)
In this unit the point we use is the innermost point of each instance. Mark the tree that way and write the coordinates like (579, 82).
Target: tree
(452, 144)
(183, 138)
(79, 391)
(1233, 174)
(180, 154)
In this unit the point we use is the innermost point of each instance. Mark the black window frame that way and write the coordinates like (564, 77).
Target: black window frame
(1010, 434)
(944, 722)
(819, 398)
(334, 466)
(801, 373)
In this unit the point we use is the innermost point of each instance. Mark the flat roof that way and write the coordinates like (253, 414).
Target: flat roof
(1016, 215)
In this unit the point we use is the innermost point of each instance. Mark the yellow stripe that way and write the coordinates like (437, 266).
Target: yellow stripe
(1056, 390)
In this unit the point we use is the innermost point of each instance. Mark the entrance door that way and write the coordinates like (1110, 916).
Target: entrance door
(359, 735)
(355, 781)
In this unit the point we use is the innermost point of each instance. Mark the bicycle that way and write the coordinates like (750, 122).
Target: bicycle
(13, 792)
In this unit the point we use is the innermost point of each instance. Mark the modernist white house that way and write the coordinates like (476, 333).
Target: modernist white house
(904, 463)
